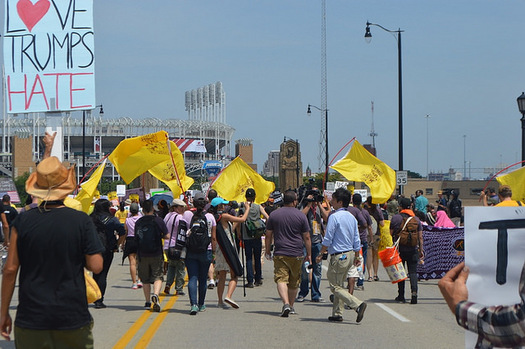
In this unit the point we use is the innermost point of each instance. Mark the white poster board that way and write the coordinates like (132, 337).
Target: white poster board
(49, 55)
(121, 190)
(485, 284)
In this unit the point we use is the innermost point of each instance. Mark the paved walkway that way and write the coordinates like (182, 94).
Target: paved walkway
(386, 324)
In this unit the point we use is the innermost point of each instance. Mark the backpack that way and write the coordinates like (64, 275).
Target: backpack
(176, 252)
(100, 225)
(255, 229)
(148, 236)
(198, 239)
(408, 235)
(455, 208)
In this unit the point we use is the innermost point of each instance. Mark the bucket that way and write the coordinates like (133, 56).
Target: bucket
(393, 264)
(396, 273)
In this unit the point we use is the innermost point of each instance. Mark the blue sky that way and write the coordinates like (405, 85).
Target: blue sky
(462, 65)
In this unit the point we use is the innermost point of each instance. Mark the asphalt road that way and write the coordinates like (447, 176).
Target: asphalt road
(257, 324)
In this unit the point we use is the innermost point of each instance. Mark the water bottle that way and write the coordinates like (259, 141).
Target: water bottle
(306, 265)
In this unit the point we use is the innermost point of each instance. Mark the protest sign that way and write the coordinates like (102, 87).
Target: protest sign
(494, 245)
(49, 55)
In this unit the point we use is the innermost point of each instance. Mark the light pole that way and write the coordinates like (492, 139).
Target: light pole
(397, 35)
(464, 156)
(521, 107)
(427, 117)
(326, 160)
(101, 112)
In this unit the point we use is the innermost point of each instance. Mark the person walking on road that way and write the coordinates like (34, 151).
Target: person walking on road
(176, 267)
(288, 228)
(343, 244)
(51, 245)
(130, 247)
(149, 232)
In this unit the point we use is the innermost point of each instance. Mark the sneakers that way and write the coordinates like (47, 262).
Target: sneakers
(156, 303)
(286, 310)
(99, 305)
(231, 302)
(413, 300)
(249, 285)
(360, 312)
(400, 299)
(258, 283)
(211, 284)
(292, 311)
(167, 289)
(300, 299)
(139, 284)
(318, 300)
(147, 305)
(180, 293)
(194, 309)
(134, 287)
(360, 288)
(202, 308)
(335, 318)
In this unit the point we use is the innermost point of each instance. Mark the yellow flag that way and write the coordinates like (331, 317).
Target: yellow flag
(361, 166)
(516, 181)
(85, 196)
(232, 182)
(175, 178)
(134, 156)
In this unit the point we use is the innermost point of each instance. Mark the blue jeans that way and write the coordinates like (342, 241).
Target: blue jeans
(253, 248)
(360, 281)
(316, 275)
(197, 265)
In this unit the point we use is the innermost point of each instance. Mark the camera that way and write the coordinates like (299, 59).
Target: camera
(234, 204)
(316, 196)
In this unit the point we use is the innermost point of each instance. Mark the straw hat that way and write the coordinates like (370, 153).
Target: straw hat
(52, 180)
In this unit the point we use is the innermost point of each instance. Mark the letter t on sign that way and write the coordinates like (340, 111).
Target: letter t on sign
(502, 248)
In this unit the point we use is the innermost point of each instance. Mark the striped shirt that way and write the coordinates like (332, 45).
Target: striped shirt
(498, 326)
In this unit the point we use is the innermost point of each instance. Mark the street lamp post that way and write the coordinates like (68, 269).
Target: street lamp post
(521, 107)
(368, 38)
(101, 112)
(309, 111)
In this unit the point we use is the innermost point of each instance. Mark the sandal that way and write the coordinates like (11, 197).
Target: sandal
(376, 278)
(369, 278)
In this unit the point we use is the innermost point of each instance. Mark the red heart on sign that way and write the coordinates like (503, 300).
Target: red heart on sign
(31, 13)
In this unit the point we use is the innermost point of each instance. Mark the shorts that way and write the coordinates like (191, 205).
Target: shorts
(130, 246)
(287, 270)
(80, 338)
(151, 269)
(374, 245)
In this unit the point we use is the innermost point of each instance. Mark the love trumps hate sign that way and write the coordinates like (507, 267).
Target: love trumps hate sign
(49, 55)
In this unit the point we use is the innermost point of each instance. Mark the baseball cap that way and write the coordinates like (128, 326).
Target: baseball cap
(217, 201)
(178, 202)
(199, 196)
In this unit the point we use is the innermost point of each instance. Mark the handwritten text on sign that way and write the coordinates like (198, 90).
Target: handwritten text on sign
(49, 55)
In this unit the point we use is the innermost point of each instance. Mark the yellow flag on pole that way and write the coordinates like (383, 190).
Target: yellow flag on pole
(134, 156)
(361, 166)
(85, 196)
(516, 181)
(232, 182)
(172, 172)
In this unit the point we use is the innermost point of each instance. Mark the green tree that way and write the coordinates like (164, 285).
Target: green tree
(413, 174)
(20, 184)
(106, 185)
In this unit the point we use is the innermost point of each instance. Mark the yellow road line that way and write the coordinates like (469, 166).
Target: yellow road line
(152, 329)
(148, 335)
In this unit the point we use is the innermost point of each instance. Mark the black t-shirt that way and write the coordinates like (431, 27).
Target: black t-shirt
(52, 246)
(10, 213)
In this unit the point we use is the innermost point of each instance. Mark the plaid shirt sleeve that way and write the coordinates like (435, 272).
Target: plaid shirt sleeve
(499, 326)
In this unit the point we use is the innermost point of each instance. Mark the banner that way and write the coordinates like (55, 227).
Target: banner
(444, 248)
(49, 55)
(232, 182)
(361, 166)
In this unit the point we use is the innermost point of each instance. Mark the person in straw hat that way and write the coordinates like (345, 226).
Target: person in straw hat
(50, 244)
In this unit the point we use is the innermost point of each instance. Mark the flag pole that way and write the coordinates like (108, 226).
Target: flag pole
(340, 150)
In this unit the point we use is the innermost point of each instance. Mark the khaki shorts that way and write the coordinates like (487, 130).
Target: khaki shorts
(151, 269)
(81, 338)
(287, 270)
